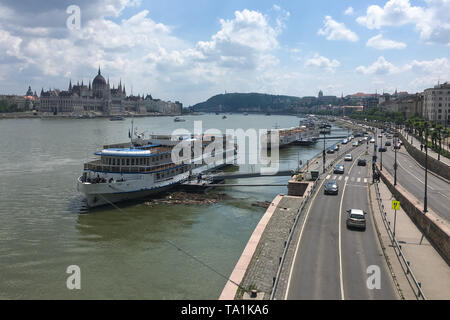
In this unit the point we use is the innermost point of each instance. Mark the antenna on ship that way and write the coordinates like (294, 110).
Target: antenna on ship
(130, 134)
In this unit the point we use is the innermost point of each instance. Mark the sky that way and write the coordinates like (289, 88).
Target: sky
(191, 50)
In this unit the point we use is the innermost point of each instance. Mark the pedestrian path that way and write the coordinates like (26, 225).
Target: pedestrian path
(431, 153)
(428, 267)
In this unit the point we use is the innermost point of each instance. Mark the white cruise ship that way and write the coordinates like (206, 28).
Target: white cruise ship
(144, 167)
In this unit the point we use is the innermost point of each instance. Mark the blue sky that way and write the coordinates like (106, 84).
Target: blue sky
(191, 50)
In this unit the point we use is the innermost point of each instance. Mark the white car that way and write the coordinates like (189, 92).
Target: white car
(355, 144)
(348, 157)
(372, 140)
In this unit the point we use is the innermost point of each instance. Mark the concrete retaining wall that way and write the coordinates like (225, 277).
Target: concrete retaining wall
(434, 165)
(430, 224)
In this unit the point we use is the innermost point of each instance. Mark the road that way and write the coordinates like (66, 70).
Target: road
(330, 261)
(411, 176)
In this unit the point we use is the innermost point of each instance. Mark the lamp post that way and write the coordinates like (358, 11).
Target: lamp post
(425, 200)
(395, 161)
(381, 153)
(324, 153)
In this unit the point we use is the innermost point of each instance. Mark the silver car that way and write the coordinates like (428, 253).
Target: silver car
(356, 218)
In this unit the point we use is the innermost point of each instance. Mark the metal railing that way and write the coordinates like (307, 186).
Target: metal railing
(398, 248)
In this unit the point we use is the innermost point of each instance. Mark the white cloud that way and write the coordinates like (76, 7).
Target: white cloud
(334, 30)
(379, 67)
(378, 42)
(323, 62)
(349, 11)
(433, 21)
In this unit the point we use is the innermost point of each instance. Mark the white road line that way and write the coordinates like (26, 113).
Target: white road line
(341, 276)
(406, 170)
(358, 180)
(340, 178)
(365, 180)
(328, 177)
(299, 239)
(346, 178)
(334, 177)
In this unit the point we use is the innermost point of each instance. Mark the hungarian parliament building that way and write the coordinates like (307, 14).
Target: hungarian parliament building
(99, 98)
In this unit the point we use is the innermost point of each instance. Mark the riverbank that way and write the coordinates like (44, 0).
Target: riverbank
(31, 115)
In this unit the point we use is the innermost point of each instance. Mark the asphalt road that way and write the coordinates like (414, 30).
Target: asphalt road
(412, 177)
(331, 262)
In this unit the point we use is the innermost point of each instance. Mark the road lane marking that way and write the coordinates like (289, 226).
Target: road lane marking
(341, 276)
(358, 180)
(346, 178)
(365, 180)
(299, 240)
(328, 177)
(340, 178)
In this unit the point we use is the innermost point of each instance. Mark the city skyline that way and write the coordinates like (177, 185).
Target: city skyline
(189, 53)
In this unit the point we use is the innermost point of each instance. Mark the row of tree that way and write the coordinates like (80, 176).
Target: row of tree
(426, 131)
(5, 106)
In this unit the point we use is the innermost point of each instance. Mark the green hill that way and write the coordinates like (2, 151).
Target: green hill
(248, 102)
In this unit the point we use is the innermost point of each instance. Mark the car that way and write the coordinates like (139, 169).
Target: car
(345, 141)
(362, 162)
(331, 151)
(388, 144)
(336, 147)
(382, 149)
(380, 136)
(348, 157)
(372, 140)
(398, 146)
(331, 187)
(355, 144)
(339, 169)
(356, 218)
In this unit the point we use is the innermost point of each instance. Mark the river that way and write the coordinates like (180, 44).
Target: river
(122, 254)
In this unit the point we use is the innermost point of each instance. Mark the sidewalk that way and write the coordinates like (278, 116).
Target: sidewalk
(428, 267)
(431, 153)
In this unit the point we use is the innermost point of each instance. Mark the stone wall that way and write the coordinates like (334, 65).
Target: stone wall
(432, 227)
(434, 165)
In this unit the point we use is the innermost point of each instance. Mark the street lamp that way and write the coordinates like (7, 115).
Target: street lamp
(324, 153)
(395, 161)
(425, 204)
(381, 153)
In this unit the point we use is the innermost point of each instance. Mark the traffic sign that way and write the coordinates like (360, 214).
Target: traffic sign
(395, 205)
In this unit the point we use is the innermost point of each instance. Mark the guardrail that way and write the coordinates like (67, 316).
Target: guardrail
(397, 247)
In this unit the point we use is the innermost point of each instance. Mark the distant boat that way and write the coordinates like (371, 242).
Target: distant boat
(224, 117)
(116, 118)
(177, 119)
(217, 113)
(245, 113)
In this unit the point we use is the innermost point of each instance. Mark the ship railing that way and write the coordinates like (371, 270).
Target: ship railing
(98, 166)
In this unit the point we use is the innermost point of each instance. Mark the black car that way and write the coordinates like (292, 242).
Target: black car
(388, 144)
(339, 169)
(331, 187)
(397, 146)
(362, 162)
(382, 149)
(330, 151)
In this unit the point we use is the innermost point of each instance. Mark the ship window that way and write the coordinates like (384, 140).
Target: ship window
(128, 162)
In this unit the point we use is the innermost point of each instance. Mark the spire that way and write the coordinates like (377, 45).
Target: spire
(99, 73)
(70, 85)
(89, 84)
